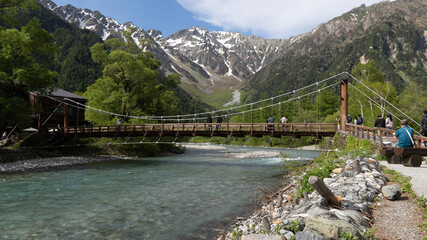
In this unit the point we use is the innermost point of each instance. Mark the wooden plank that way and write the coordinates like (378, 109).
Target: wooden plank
(409, 151)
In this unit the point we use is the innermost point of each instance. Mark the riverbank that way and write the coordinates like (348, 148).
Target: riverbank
(29, 149)
(295, 213)
(313, 216)
(46, 164)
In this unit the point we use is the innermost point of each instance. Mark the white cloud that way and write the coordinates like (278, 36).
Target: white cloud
(269, 18)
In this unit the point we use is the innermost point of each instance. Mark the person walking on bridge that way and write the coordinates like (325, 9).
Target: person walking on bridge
(389, 122)
(209, 120)
(218, 120)
(119, 123)
(270, 120)
(284, 120)
(360, 120)
(380, 122)
(423, 129)
(405, 134)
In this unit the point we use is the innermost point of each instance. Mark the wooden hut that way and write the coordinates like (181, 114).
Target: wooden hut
(58, 109)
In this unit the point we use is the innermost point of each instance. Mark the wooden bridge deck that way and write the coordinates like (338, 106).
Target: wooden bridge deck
(202, 129)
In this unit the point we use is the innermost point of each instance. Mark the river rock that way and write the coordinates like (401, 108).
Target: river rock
(330, 226)
(357, 217)
(338, 170)
(392, 192)
(317, 210)
(350, 173)
(286, 233)
(308, 235)
(263, 237)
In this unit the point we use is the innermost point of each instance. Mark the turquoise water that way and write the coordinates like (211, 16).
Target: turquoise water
(195, 195)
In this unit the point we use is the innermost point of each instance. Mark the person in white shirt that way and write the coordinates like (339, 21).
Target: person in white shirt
(284, 120)
(118, 124)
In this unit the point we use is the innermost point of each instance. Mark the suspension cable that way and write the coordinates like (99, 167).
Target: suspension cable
(194, 118)
(205, 113)
(384, 99)
(377, 104)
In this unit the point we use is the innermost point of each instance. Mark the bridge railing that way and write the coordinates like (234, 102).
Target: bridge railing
(378, 134)
(206, 127)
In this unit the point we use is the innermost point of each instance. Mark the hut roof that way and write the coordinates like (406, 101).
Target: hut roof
(63, 94)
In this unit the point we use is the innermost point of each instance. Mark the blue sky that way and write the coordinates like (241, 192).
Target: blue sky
(263, 18)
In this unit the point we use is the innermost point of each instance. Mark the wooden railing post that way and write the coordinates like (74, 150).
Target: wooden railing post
(344, 99)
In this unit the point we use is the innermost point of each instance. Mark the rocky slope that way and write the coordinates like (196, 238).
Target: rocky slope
(200, 57)
(394, 34)
(314, 216)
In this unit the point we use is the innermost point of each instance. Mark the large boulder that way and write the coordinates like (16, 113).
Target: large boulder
(263, 237)
(330, 226)
(307, 235)
(391, 192)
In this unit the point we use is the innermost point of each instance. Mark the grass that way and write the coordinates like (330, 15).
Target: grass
(284, 141)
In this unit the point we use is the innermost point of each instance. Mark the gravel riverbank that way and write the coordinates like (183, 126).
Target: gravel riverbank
(313, 217)
(44, 164)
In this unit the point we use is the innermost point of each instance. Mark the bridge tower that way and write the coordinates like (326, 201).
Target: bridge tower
(344, 99)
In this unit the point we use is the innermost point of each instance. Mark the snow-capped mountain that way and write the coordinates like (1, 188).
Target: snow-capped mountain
(226, 53)
(199, 56)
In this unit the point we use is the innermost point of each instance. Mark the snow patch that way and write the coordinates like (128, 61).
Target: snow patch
(174, 42)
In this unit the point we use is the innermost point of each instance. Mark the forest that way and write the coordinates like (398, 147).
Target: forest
(39, 52)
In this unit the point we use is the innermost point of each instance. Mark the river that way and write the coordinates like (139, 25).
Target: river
(189, 196)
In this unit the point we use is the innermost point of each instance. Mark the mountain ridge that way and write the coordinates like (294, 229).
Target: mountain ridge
(213, 61)
(199, 56)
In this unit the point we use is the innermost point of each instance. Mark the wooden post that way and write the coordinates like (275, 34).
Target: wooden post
(41, 117)
(344, 99)
(323, 190)
(65, 116)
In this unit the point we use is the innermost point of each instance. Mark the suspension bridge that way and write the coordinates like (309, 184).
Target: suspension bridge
(196, 124)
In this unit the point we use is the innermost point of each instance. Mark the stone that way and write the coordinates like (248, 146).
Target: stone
(350, 173)
(391, 192)
(357, 217)
(293, 222)
(263, 237)
(286, 233)
(266, 224)
(317, 210)
(329, 226)
(301, 209)
(366, 169)
(328, 181)
(367, 196)
(308, 235)
(321, 201)
(338, 170)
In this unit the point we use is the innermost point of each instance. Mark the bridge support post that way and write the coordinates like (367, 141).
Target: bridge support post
(344, 100)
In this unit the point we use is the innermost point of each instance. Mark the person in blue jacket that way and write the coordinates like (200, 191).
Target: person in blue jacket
(405, 134)
(360, 120)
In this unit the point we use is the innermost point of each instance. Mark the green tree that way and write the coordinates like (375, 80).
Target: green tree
(372, 78)
(129, 83)
(25, 57)
(413, 100)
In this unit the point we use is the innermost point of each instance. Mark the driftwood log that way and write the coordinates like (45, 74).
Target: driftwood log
(324, 191)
